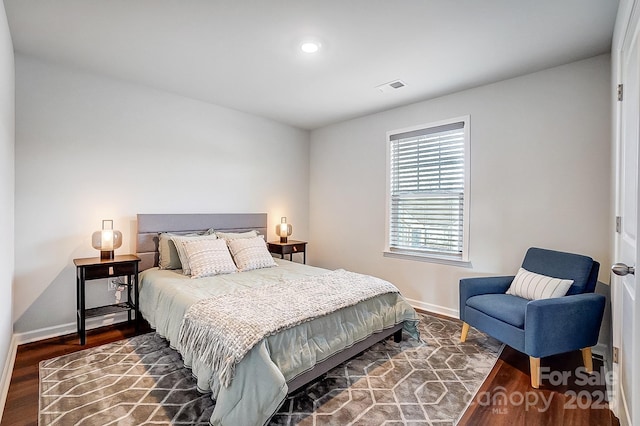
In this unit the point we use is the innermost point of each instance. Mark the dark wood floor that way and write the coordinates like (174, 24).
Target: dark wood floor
(568, 396)
(505, 398)
(21, 407)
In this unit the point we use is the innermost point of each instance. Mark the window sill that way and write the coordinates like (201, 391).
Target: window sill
(443, 260)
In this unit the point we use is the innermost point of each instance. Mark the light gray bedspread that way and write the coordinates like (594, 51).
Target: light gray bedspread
(259, 386)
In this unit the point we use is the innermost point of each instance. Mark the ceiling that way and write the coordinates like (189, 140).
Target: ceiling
(244, 54)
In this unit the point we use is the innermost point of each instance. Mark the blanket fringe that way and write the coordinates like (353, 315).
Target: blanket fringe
(209, 348)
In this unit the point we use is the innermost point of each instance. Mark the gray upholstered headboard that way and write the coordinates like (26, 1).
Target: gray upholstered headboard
(151, 225)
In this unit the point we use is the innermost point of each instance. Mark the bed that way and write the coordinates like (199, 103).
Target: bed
(282, 362)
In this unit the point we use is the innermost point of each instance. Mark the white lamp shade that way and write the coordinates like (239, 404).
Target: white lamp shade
(106, 240)
(284, 230)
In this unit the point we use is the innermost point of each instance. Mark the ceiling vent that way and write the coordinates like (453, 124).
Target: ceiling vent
(391, 86)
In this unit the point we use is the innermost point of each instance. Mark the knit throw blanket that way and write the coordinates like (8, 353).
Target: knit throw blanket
(221, 330)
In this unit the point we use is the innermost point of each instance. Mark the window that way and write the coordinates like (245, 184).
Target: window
(428, 186)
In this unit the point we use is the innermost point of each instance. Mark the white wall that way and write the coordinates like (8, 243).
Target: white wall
(90, 148)
(540, 176)
(7, 114)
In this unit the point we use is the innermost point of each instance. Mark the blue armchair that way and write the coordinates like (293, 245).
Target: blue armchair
(541, 327)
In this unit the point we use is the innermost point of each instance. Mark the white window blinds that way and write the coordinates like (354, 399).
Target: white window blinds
(427, 194)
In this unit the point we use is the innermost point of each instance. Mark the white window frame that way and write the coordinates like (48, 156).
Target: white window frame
(431, 256)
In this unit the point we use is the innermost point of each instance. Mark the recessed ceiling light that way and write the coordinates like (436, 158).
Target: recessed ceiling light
(310, 46)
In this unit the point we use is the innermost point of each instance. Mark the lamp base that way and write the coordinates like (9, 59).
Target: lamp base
(283, 239)
(106, 255)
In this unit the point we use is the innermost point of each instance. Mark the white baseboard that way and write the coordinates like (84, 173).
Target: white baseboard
(69, 328)
(7, 370)
(437, 309)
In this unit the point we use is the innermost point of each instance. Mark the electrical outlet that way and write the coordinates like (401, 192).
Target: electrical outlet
(112, 285)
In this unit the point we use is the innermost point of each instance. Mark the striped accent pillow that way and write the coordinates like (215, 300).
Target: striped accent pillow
(532, 286)
(209, 257)
(251, 253)
(180, 241)
(169, 258)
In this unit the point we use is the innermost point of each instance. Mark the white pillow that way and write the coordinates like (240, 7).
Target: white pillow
(208, 257)
(532, 286)
(235, 235)
(179, 241)
(251, 253)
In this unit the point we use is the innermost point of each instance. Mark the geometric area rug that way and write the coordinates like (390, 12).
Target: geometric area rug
(142, 381)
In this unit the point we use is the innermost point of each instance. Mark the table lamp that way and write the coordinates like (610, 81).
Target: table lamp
(284, 230)
(106, 240)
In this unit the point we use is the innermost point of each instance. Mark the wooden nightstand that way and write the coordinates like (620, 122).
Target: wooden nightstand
(94, 268)
(289, 248)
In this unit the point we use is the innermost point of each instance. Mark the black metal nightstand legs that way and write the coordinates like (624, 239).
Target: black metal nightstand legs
(96, 268)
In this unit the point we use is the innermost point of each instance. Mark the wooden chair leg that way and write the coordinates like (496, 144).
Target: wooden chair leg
(534, 364)
(465, 331)
(587, 359)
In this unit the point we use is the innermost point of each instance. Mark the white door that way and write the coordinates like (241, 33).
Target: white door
(625, 308)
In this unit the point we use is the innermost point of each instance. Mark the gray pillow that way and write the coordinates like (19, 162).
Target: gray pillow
(169, 258)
